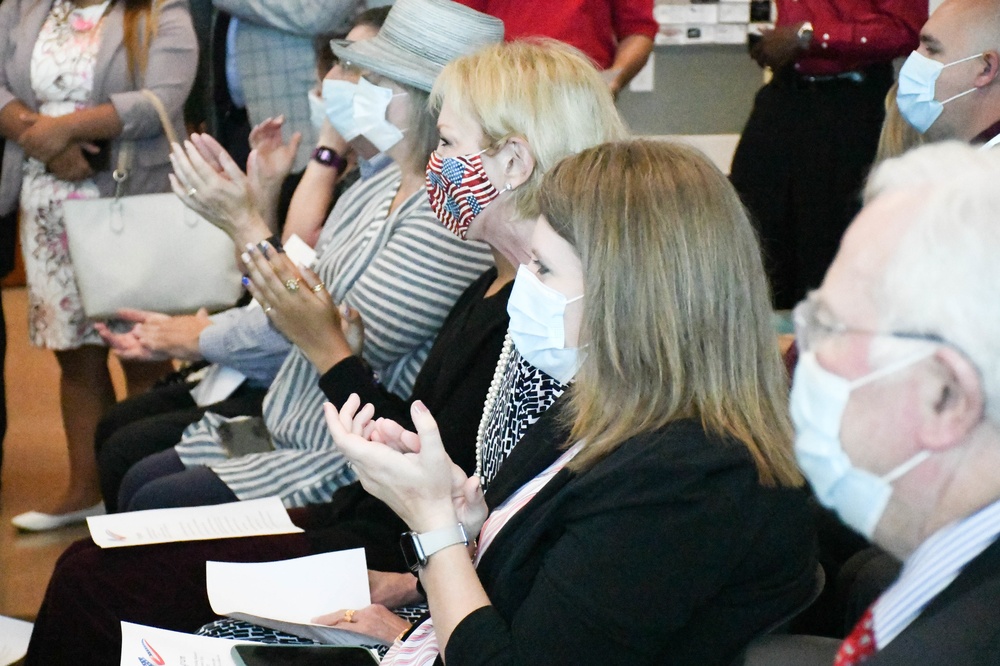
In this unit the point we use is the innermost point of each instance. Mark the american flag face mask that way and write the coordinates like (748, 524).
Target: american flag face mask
(459, 190)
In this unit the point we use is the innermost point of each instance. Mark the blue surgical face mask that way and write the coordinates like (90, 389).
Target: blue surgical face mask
(915, 95)
(371, 103)
(537, 326)
(817, 405)
(338, 99)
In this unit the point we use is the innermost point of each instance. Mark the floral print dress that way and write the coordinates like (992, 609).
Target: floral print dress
(62, 76)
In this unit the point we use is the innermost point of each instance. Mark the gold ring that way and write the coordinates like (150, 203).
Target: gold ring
(349, 616)
(268, 309)
(292, 285)
(318, 288)
(193, 191)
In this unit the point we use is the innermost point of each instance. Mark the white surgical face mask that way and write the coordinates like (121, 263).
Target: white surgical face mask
(537, 326)
(370, 105)
(818, 400)
(338, 99)
(317, 109)
(915, 95)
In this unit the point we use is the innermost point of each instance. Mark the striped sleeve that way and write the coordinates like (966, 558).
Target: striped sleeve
(297, 477)
(407, 291)
(403, 271)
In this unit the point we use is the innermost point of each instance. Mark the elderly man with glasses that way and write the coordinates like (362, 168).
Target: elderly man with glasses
(896, 403)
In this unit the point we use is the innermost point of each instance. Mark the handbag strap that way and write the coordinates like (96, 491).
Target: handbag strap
(121, 173)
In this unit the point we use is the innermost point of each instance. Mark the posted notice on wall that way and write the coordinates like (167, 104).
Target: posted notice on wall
(258, 517)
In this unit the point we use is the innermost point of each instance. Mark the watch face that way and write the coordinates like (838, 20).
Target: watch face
(411, 551)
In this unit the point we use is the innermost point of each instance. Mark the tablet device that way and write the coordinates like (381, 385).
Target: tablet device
(303, 655)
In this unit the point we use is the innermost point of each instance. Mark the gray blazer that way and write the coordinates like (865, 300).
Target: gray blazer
(275, 58)
(173, 59)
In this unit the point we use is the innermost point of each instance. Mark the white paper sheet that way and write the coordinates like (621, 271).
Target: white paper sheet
(14, 636)
(237, 519)
(146, 646)
(217, 384)
(299, 251)
(288, 594)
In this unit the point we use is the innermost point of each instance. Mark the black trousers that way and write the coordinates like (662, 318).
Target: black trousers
(800, 166)
(152, 422)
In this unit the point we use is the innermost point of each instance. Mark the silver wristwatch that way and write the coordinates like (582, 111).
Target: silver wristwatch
(418, 547)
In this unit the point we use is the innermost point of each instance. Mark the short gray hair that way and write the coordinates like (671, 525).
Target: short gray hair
(944, 276)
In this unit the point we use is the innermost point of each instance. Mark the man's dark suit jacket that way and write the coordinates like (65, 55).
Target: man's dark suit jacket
(959, 626)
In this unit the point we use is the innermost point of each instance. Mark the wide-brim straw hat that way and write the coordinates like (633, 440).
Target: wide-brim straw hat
(419, 38)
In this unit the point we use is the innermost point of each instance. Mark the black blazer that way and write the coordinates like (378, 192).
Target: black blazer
(959, 626)
(452, 383)
(667, 552)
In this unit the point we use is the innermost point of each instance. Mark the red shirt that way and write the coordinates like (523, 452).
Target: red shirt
(593, 26)
(851, 34)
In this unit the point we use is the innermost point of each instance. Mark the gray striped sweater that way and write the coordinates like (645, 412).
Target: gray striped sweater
(403, 272)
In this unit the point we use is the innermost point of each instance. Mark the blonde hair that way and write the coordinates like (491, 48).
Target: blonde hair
(140, 25)
(541, 90)
(897, 135)
(677, 317)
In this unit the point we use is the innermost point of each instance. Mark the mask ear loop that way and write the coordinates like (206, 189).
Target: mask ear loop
(893, 367)
(970, 90)
(906, 467)
(507, 186)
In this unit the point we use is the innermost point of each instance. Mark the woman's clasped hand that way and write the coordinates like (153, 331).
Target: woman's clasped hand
(298, 304)
(212, 184)
(411, 472)
(222, 195)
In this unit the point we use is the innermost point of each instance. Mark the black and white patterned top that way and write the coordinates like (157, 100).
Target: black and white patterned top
(524, 395)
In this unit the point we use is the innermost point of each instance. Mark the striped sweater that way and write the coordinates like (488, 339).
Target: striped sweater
(402, 271)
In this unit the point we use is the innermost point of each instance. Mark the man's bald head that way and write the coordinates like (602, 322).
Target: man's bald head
(983, 21)
(963, 27)
(964, 36)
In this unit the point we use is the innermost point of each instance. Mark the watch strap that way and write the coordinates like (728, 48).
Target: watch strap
(329, 157)
(435, 540)
(426, 544)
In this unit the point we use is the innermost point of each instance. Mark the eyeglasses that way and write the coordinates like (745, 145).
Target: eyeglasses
(350, 69)
(812, 328)
(346, 66)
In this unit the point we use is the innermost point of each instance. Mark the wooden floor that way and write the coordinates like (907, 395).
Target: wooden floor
(34, 465)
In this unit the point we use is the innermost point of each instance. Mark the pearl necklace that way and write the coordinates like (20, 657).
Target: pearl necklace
(491, 398)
